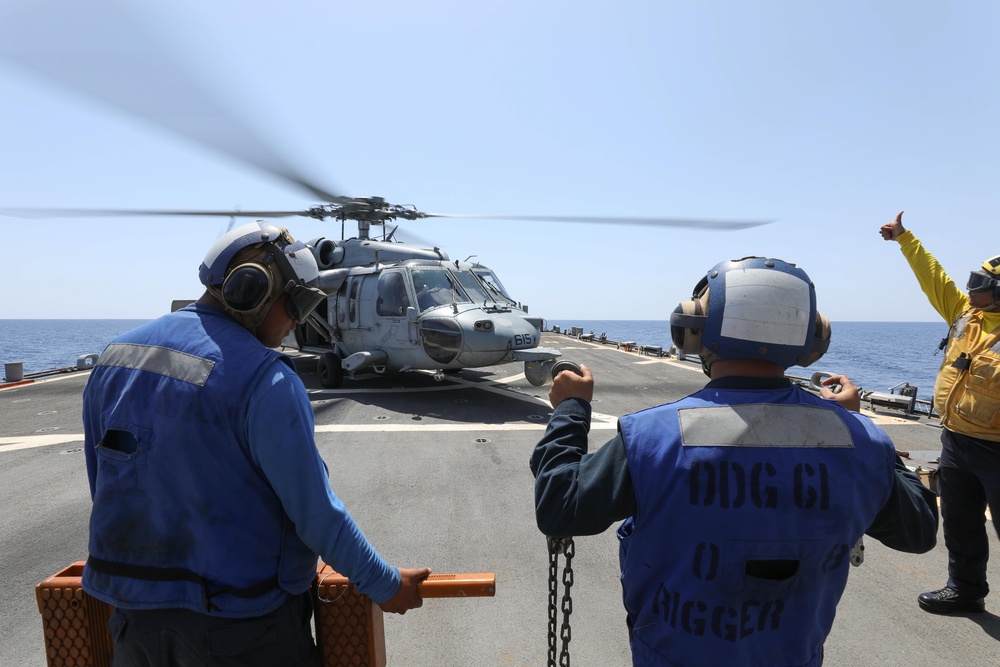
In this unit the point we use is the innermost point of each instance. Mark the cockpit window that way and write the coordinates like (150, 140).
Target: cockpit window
(392, 297)
(492, 282)
(473, 287)
(436, 287)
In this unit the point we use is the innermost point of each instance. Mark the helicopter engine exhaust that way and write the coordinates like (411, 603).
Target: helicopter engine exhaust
(328, 253)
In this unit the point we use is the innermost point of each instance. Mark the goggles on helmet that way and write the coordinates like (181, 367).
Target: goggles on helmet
(980, 281)
(302, 297)
(302, 300)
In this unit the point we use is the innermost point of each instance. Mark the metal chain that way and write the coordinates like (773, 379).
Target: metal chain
(553, 596)
(560, 545)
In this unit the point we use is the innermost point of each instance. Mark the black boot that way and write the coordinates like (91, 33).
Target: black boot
(949, 601)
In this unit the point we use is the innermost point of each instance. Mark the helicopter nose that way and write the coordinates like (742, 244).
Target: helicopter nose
(515, 333)
(490, 338)
(442, 339)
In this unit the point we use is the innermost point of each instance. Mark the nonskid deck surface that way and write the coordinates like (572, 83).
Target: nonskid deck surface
(436, 473)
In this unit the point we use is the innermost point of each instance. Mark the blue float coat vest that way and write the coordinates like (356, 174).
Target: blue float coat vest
(182, 516)
(749, 503)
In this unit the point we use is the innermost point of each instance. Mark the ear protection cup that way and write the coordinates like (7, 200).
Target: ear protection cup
(250, 287)
(821, 340)
(247, 287)
(688, 320)
(686, 324)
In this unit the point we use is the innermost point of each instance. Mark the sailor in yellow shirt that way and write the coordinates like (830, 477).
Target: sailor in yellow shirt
(967, 396)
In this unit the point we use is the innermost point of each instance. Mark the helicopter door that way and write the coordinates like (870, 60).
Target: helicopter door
(392, 300)
(349, 303)
(391, 304)
(354, 301)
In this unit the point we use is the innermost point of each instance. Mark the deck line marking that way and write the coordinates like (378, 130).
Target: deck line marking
(413, 428)
(599, 423)
(507, 380)
(13, 444)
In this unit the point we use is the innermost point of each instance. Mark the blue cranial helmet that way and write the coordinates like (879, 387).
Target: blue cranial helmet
(248, 286)
(752, 308)
(213, 269)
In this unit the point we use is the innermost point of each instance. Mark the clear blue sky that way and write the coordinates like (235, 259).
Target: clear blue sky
(827, 117)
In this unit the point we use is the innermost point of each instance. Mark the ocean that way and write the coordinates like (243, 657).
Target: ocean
(46, 344)
(875, 355)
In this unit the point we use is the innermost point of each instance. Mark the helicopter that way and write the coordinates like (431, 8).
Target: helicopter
(401, 307)
(391, 306)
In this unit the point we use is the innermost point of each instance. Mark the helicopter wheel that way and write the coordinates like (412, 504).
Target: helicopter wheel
(537, 372)
(331, 373)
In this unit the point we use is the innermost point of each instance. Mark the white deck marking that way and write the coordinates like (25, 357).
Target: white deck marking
(449, 427)
(507, 380)
(598, 423)
(29, 441)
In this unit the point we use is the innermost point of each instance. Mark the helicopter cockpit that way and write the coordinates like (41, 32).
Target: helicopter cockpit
(436, 286)
(436, 283)
(491, 282)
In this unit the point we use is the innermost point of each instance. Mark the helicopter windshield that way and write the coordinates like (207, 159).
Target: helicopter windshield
(473, 287)
(492, 282)
(436, 287)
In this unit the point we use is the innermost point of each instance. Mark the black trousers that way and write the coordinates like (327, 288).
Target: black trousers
(968, 481)
(182, 638)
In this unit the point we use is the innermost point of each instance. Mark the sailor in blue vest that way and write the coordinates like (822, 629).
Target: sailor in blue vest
(211, 501)
(741, 502)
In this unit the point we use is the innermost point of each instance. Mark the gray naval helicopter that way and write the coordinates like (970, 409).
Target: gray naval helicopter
(390, 306)
(400, 307)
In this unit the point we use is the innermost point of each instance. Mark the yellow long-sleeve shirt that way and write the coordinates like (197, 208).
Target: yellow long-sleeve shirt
(968, 398)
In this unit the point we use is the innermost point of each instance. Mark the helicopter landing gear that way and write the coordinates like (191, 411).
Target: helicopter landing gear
(331, 373)
(537, 372)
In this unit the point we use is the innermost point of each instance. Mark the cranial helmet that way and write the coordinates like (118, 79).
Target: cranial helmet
(987, 278)
(752, 308)
(250, 266)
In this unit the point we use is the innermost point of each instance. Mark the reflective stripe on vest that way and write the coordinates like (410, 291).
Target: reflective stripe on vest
(165, 361)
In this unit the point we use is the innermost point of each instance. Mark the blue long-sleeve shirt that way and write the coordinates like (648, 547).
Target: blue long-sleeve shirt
(279, 428)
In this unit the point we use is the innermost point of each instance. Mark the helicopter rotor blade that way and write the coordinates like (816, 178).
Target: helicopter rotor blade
(119, 61)
(695, 223)
(117, 212)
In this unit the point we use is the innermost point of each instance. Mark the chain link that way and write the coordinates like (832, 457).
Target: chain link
(560, 545)
(553, 595)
